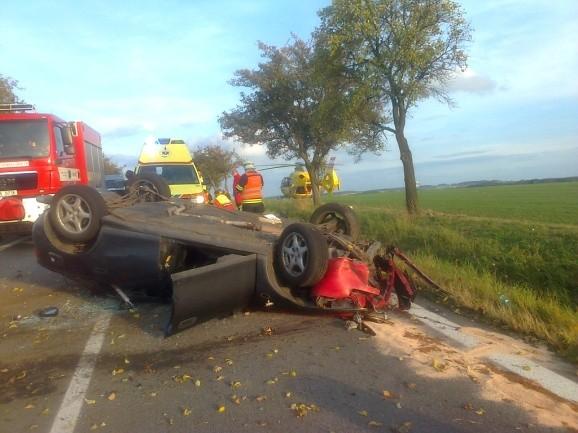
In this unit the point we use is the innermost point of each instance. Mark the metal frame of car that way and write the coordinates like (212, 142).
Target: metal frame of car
(209, 260)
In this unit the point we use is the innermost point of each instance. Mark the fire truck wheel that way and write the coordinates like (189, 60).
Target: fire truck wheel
(75, 213)
(149, 187)
(336, 218)
(301, 255)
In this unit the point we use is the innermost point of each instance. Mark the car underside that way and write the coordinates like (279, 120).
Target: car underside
(211, 261)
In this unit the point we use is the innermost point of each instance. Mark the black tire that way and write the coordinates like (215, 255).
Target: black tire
(75, 213)
(140, 183)
(302, 241)
(345, 219)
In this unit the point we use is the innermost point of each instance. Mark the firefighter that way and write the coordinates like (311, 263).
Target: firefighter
(222, 200)
(250, 187)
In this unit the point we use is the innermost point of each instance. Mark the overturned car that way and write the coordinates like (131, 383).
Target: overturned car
(210, 261)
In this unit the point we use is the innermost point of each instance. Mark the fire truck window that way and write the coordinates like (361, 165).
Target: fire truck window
(59, 143)
(24, 139)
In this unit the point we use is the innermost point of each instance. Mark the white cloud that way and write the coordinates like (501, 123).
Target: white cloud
(470, 81)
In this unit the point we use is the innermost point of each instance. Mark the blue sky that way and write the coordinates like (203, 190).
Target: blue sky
(138, 68)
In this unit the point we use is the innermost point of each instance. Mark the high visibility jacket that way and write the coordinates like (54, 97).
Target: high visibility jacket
(221, 200)
(250, 187)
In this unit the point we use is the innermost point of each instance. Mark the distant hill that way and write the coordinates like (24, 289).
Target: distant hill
(482, 183)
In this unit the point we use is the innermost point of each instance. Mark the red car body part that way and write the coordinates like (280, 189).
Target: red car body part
(34, 160)
(347, 280)
(343, 277)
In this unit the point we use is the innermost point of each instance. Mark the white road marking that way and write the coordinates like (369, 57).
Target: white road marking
(547, 379)
(14, 242)
(67, 416)
(443, 326)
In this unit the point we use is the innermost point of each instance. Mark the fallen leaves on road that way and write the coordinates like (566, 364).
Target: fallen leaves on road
(217, 369)
(87, 401)
(438, 365)
(261, 398)
(388, 395)
(186, 411)
(111, 396)
(117, 371)
(267, 331)
(363, 413)
(402, 428)
(183, 378)
(374, 424)
(197, 383)
(228, 361)
(302, 409)
(235, 384)
(29, 406)
(272, 381)
(221, 408)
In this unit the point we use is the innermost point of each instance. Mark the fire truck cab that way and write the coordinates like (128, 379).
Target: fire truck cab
(39, 154)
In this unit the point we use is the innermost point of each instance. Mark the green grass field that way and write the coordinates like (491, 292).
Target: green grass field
(551, 203)
(486, 243)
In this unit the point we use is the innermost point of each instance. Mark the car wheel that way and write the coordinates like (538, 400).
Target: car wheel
(149, 187)
(75, 213)
(337, 218)
(301, 255)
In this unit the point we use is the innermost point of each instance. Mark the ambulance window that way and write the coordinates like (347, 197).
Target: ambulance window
(59, 142)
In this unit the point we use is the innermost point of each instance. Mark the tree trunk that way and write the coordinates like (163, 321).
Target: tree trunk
(316, 193)
(408, 173)
(314, 177)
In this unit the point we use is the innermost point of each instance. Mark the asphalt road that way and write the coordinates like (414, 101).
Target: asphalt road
(269, 371)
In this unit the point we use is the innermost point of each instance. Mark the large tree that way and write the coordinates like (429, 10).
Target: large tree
(216, 163)
(301, 105)
(8, 88)
(407, 50)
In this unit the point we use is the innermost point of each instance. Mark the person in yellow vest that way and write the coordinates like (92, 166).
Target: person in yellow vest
(222, 200)
(250, 188)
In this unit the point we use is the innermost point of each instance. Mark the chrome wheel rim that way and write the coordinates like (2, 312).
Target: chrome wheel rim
(73, 213)
(295, 254)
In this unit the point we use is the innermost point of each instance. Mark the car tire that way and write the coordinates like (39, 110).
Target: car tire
(140, 183)
(301, 255)
(344, 218)
(75, 213)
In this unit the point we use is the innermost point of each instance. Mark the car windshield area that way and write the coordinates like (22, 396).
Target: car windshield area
(173, 174)
(24, 139)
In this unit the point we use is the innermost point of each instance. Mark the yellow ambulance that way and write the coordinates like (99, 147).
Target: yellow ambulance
(170, 158)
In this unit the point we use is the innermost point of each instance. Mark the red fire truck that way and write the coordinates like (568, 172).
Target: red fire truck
(39, 154)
